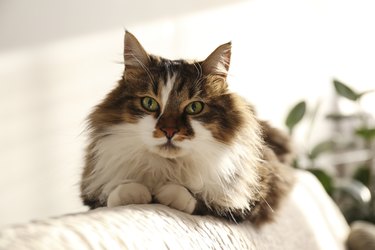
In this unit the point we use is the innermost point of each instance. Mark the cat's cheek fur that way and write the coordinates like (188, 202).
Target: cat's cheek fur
(146, 126)
(129, 193)
(177, 197)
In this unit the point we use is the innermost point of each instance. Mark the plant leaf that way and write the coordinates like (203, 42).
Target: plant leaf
(365, 92)
(324, 179)
(340, 117)
(295, 115)
(366, 133)
(345, 91)
(362, 174)
(322, 147)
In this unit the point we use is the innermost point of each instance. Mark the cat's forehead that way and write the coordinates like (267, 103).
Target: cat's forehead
(174, 67)
(183, 79)
(178, 76)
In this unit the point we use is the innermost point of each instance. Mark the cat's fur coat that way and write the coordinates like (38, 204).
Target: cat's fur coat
(171, 132)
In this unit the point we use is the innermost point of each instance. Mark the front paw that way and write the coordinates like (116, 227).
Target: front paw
(129, 193)
(177, 197)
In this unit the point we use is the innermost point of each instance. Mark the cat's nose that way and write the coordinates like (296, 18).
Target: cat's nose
(169, 132)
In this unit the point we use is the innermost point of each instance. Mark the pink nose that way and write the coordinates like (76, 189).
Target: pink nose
(169, 132)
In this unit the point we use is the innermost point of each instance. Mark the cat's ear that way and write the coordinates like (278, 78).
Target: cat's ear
(217, 63)
(134, 53)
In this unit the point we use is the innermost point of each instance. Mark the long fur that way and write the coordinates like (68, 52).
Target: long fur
(224, 156)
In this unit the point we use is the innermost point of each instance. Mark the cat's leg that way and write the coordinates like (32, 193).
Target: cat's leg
(177, 197)
(129, 193)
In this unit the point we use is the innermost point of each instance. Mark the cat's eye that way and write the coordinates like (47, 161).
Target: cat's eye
(194, 108)
(150, 104)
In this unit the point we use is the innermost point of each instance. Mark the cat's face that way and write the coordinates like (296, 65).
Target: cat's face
(173, 107)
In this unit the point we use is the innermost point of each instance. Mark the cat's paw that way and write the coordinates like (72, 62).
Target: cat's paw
(129, 193)
(177, 197)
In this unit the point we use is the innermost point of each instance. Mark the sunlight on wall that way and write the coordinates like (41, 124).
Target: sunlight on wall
(283, 51)
(44, 102)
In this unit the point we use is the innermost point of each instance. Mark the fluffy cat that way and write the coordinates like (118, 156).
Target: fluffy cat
(172, 133)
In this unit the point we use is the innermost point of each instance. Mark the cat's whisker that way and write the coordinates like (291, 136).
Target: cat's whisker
(199, 81)
(199, 72)
(232, 216)
(142, 65)
(261, 196)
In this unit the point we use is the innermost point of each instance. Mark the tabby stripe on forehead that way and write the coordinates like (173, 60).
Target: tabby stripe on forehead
(168, 70)
(155, 87)
(181, 84)
(166, 90)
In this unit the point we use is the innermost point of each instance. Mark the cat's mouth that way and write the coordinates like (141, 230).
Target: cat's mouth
(169, 150)
(169, 145)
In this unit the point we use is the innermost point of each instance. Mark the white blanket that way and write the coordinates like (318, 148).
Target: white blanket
(307, 219)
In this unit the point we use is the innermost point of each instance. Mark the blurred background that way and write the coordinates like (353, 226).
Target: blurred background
(59, 58)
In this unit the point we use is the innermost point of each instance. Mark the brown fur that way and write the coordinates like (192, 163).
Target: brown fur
(278, 141)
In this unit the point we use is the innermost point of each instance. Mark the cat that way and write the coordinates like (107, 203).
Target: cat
(172, 133)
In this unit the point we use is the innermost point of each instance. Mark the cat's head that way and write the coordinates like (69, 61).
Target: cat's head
(172, 107)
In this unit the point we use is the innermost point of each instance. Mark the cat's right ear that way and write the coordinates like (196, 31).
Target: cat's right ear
(134, 53)
(217, 63)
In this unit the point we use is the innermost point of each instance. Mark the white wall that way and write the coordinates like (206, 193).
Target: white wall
(59, 58)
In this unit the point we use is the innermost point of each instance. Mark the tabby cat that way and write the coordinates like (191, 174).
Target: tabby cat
(171, 132)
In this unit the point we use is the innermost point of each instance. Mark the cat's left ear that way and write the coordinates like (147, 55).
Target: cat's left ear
(217, 63)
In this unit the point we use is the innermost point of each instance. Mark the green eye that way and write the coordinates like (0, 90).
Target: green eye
(194, 108)
(150, 104)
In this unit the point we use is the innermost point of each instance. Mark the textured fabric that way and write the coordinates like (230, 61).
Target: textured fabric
(307, 219)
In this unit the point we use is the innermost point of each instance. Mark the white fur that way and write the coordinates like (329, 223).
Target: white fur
(129, 193)
(176, 196)
(221, 66)
(165, 92)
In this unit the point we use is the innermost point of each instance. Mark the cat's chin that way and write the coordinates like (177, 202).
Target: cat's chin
(169, 150)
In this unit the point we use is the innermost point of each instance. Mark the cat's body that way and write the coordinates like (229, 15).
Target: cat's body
(171, 132)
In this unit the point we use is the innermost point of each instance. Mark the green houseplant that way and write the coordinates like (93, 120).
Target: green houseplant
(354, 191)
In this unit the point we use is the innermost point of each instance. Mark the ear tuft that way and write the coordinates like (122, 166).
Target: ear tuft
(217, 63)
(134, 54)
